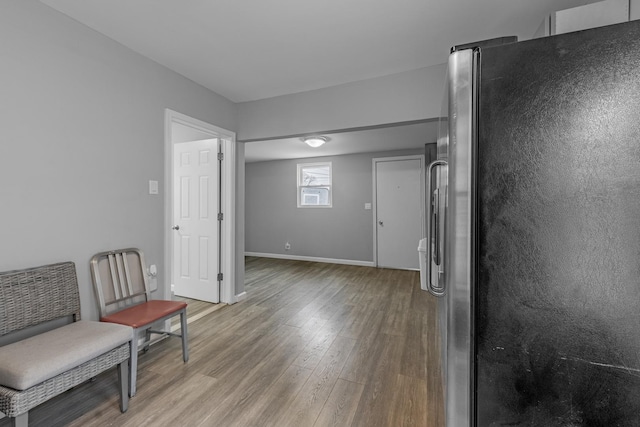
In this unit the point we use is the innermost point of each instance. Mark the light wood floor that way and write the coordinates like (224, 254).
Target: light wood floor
(312, 345)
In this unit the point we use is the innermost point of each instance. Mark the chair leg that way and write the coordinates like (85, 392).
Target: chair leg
(147, 340)
(133, 364)
(21, 420)
(123, 383)
(183, 331)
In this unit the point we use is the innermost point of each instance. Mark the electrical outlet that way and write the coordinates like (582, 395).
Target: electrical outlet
(287, 246)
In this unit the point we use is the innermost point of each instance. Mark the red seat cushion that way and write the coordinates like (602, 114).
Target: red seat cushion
(142, 314)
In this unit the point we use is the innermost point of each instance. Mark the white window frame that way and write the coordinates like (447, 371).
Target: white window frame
(300, 186)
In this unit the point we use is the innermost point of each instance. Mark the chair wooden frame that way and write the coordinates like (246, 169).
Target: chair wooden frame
(124, 296)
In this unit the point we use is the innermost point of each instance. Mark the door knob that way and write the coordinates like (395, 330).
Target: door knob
(175, 227)
(381, 223)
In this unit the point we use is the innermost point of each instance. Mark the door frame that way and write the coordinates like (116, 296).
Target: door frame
(374, 163)
(228, 168)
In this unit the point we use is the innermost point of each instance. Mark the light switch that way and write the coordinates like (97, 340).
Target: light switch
(153, 187)
(367, 206)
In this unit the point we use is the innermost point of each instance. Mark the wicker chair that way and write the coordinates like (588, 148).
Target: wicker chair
(124, 297)
(38, 366)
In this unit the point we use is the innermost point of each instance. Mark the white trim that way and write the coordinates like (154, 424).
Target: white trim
(374, 163)
(241, 297)
(227, 287)
(312, 259)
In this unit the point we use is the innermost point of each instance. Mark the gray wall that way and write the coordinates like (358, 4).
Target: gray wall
(412, 95)
(343, 232)
(82, 132)
(346, 231)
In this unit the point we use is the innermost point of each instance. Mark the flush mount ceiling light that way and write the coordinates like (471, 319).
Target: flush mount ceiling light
(315, 141)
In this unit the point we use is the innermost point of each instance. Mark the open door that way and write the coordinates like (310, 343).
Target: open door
(200, 209)
(196, 204)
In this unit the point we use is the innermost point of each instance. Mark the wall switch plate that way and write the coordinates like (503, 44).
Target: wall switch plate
(153, 187)
(367, 206)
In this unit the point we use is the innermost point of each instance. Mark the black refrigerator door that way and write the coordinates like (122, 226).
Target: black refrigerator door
(557, 298)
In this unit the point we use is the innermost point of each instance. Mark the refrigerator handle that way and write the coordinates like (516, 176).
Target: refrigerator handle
(434, 290)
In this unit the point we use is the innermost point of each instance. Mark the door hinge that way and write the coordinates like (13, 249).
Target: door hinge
(220, 156)
(220, 216)
(220, 276)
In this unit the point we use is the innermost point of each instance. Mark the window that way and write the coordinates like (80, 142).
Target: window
(314, 185)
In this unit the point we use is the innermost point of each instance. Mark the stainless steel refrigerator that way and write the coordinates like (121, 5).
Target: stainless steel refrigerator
(534, 232)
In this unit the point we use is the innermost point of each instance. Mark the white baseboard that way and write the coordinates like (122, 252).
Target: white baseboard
(312, 259)
(241, 297)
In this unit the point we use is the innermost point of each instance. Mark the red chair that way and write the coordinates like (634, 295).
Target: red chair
(122, 289)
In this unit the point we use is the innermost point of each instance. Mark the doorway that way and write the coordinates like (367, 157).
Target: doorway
(398, 210)
(199, 209)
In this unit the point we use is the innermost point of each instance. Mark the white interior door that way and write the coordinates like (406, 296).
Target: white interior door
(195, 220)
(399, 200)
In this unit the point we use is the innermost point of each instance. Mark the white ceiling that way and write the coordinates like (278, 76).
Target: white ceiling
(253, 49)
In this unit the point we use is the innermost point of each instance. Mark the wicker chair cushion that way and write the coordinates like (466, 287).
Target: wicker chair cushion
(36, 359)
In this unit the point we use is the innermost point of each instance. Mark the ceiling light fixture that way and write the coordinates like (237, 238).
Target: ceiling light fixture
(315, 141)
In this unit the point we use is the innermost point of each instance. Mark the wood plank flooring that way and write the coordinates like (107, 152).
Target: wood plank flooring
(312, 345)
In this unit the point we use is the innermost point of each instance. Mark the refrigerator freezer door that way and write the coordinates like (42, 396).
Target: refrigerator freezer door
(459, 238)
(558, 278)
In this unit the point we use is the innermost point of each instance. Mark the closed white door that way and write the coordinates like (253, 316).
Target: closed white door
(399, 213)
(195, 219)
